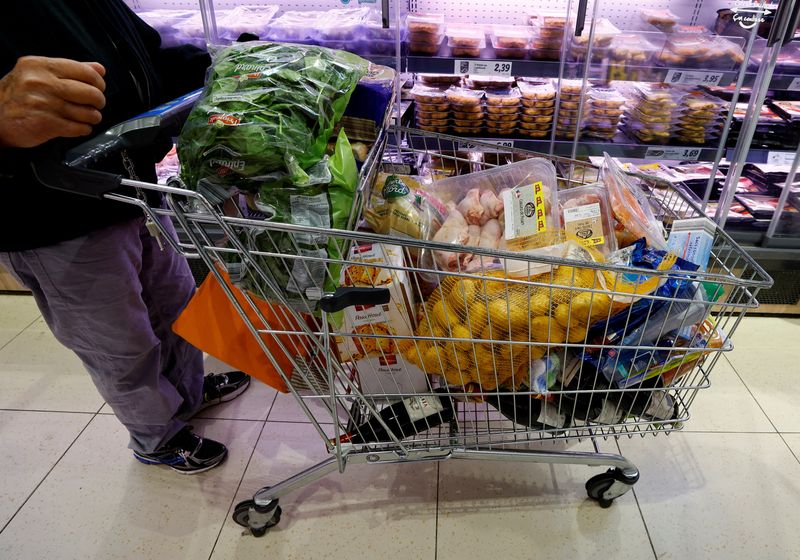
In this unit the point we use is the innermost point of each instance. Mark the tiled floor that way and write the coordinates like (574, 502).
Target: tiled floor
(728, 487)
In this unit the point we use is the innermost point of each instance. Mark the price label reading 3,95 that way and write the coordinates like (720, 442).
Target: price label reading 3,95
(694, 78)
(680, 154)
(482, 67)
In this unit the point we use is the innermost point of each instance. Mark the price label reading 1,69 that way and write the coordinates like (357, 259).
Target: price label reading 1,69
(482, 67)
(694, 78)
(680, 154)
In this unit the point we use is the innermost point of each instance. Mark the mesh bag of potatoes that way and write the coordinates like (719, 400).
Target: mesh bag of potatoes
(502, 324)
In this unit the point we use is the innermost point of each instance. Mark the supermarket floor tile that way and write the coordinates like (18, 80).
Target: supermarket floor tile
(718, 496)
(369, 512)
(726, 406)
(16, 313)
(521, 511)
(771, 376)
(287, 409)
(762, 333)
(38, 373)
(33, 441)
(99, 502)
(793, 441)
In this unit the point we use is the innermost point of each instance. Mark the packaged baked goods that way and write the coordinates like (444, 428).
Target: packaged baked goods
(541, 92)
(535, 125)
(469, 123)
(441, 129)
(510, 41)
(571, 86)
(548, 19)
(432, 107)
(492, 117)
(606, 98)
(631, 48)
(501, 131)
(471, 108)
(489, 82)
(428, 94)
(433, 114)
(503, 97)
(604, 33)
(538, 111)
(530, 104)
(578, 53)
(502, 110)
(424, 47)
(505, 125)
(466, 130)
(425, 23)
(471, 116)
(440, 79)
(651, 137)
(537, 120)
(464, 35)
(463, 97)
(663, 20)
(431, 122)
(538, 134)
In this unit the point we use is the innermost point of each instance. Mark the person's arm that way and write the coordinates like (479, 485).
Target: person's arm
(43, 98)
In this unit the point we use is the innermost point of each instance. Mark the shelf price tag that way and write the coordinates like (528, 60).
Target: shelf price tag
(780, 158)
(694, 78)
(482, 67)
(498, 146)
(794, 85)
(665, 152)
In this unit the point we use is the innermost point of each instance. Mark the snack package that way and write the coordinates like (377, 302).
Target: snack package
(631, 208)
(399, 206)
(511, 206)
(586, 217)
(381, 370)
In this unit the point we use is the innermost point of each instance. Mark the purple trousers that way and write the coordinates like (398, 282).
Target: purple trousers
(111, 297)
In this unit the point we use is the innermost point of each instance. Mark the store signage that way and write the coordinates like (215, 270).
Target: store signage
(664, 152)
(794, 85)
(780, 158)
(497, 146)
(482, 67)
(693, 78)
(748, 18)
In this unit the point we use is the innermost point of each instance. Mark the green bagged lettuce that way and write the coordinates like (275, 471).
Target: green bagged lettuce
(324, 206)
(265, 117)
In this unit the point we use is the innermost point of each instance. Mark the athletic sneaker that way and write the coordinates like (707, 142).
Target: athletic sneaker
(186, 453)
(223, 387)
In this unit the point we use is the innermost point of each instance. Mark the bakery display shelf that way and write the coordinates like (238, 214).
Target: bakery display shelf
(550, 69)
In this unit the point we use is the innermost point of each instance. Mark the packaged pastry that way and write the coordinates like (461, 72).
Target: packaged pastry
(425, 23)
(662, 117)
(534, 133)
(492, 117)
(538, 104)
(538, 111)
(433, 114)
(469, 52)
(551, 19)
(439, 79)
(578, 53)
(423, 48)
(474, 116)
(514, 53)
(467, 129)
(463, 35)
(631, 48)
(501, 131)
(490, 82)
(688, 45)
(651, 137)
(433, 128)
(571, 86)
(431, 122)
(534, 126)
(463, 97)
(510, 36)
(433, 39)
(502, 125)
(471, 108)
(538, 120)
(503, 97)
(432, 107)
(669, 58)
(536, 93)
(606, 98)
(663, 20)
(428, 94)
(604, 33)
(607, 112)
(501, 110)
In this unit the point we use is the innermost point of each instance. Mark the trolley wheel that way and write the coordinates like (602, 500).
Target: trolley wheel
(258, 528)
(610, 485)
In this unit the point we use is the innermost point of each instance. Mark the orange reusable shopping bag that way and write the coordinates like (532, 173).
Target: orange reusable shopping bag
(211, 323)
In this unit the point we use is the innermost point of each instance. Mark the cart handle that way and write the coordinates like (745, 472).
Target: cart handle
(73, 176)
(348, 297)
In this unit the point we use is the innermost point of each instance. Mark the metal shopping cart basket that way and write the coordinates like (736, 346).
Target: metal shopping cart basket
(424, 395)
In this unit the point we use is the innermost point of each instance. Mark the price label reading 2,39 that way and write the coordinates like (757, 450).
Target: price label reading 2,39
(694, 78)
(680, 154)
(483, 67)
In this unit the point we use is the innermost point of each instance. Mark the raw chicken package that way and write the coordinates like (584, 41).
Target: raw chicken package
(506, 208)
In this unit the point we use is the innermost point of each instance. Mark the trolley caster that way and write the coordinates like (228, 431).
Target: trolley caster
(257, 518)
(608, 486)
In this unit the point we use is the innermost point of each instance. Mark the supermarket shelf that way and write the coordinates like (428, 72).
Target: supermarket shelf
(622, 147)
(550, 69)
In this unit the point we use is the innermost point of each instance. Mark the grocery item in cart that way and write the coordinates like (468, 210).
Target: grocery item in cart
(380, 369)
(270, 125)
(398, 205)
(587, 217)
(631, 209)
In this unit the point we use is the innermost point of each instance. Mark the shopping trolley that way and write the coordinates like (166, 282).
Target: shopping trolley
(456, 410)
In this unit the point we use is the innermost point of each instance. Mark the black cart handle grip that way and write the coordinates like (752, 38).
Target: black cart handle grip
(794, 22)
(75, 180)
(348, 297)
(580, 19)
(775, 37)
